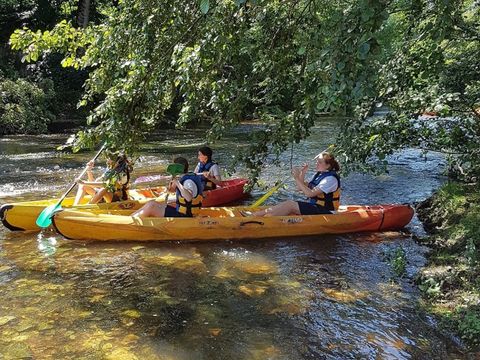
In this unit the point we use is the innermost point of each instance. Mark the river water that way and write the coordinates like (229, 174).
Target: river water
(325, 297)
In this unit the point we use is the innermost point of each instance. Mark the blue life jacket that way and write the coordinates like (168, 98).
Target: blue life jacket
(330, 201)
(190, 208)
(207, 184)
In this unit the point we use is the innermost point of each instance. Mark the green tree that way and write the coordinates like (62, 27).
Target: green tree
(284, 63)
(433, 70)
(25, 107)
(220, 62)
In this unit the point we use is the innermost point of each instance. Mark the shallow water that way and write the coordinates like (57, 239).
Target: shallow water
(325, 297)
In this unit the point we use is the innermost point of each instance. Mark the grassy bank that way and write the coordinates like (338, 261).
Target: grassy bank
(451, 280)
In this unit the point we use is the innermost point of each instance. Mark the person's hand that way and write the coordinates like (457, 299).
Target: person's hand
(206, 174)
(304, 168)
(296, 172)
(171, 186)
(90, 165)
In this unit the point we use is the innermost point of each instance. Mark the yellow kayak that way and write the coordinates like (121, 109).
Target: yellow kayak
(227, 224)
(21, 216)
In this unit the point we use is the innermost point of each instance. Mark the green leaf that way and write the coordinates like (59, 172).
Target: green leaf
(301, 50)
(204, 6)
(373, 138)
(364, 48)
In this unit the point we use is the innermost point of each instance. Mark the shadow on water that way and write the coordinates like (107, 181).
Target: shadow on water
(328, 297)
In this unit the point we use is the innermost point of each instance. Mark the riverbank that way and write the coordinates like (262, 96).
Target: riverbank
(450, 282)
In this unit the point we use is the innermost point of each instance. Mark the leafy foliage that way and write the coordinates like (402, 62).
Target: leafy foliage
(283, 63)
(25, 107)
(450, 281)
(397, 259)
(434, 71)
(221, 62)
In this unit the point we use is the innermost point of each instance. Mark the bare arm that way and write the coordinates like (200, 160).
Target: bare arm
(91, 183)
(90, 166)
(302, 185)
(187, 194)
(216, 180)
(306, 190)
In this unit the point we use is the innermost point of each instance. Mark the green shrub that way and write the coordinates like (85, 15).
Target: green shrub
(25, 107)
(398, 261)
(469, 327)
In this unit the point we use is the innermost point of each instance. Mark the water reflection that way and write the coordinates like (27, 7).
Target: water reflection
(319, 297)
(328, 297)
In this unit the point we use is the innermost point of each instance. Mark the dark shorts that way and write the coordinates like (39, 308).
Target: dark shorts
(311, 209)
(172, 212)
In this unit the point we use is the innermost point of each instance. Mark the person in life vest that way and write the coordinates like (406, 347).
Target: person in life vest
(323, 191)
(111, 186)
(188, 189)
(208, 169)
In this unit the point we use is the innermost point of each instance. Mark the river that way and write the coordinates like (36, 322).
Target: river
(325, 297)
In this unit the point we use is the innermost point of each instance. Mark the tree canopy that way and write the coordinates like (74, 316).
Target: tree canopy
(284, 63)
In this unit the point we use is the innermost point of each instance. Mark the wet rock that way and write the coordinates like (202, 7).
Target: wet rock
(129, 339)
(267, 352)
(132, 313)
(24, 325)
(252, 289)
(17, 351)
(4, 268)
(120, 354)
(6, 319)
(345, 296)
(215, 331)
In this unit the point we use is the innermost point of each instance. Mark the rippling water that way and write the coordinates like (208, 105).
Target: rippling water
(325, 297)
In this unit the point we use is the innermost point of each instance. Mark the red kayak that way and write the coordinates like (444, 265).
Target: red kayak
(229, 191)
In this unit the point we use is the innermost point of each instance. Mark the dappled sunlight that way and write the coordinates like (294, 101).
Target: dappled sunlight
(182, 259)
(325, 296)
(252, 289)
(234, 265)
(345, 296)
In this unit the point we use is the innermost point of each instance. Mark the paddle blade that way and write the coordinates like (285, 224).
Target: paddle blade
(45, 218)
(175, 169)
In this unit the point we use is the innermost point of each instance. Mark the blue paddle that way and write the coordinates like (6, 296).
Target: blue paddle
(45, 218)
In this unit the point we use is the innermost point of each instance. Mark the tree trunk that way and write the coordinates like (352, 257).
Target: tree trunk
(83, 13)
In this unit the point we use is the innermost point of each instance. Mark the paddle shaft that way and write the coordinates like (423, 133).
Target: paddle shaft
(81, 175)
(266, 196)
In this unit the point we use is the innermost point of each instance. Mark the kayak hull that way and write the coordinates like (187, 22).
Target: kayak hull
(227, 224)
(22, 216)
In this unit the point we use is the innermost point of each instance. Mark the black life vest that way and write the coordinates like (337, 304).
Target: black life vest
(190, 208)
(117, 181)
(330, 201)
(207, 184)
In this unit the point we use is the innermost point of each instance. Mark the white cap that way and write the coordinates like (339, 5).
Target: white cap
(323, 152)
(319, 155)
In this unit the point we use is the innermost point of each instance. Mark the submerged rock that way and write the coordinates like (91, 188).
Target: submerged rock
(6, 319)
(16, 351)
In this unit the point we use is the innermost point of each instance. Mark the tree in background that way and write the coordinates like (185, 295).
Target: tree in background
(38, 94)
(431, 82)
(284, 63)
(219, 62)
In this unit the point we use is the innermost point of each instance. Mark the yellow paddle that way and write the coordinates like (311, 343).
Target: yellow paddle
(269, 193)
(44, 219)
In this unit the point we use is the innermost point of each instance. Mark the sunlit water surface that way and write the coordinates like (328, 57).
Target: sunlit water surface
(325, 297)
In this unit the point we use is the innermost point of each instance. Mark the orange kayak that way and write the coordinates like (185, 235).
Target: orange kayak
(227, 224)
